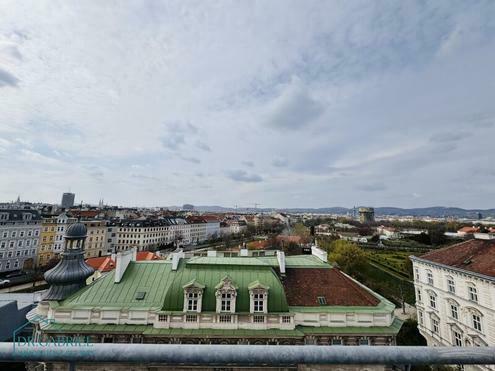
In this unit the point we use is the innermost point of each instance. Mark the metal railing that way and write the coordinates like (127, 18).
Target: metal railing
(256, 355)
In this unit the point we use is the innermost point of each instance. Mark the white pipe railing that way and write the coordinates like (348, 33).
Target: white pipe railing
(269, 355)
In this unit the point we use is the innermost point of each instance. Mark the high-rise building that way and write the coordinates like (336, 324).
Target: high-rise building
(67, 200)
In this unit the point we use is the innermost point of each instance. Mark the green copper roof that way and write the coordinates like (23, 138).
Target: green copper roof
(164, 287)
(299, 331)
(211, 275)
(291, 261)
(150, 277)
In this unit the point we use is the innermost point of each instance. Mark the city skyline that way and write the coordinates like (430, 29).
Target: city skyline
(308, 105)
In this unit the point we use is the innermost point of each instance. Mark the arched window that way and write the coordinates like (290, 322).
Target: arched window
(432, 299)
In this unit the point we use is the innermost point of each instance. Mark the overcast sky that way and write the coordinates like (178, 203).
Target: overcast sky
(283, 103)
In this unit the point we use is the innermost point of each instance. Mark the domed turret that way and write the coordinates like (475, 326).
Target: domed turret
(70, 274)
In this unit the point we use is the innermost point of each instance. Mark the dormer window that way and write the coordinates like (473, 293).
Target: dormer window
(226, 293)
(259, 297)
(193, 294)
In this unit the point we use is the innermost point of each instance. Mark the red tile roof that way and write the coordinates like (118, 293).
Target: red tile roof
(303, 286)
(469, 230)
(102, 264)
(106, 263)
(257, 244)
(472, 255)
(146, 255)
(296, 239)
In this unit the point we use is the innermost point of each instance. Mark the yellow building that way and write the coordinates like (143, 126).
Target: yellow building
(47, 240)
(95, 244)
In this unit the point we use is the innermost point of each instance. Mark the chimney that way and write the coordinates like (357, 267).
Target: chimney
(281, 262)
(122, 262)
(176, 257)
(319, 253)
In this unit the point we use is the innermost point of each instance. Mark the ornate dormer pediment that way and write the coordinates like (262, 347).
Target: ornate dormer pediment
(193, 284)
(257, 285)
(226, 293)
(226, 283)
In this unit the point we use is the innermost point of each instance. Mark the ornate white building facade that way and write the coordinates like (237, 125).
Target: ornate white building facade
(455, 295)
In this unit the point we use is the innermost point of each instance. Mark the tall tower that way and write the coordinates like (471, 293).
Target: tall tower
(67, 200)
(70, 274)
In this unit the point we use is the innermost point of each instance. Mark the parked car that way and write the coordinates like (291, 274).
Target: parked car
(4, 282)
(15, 274)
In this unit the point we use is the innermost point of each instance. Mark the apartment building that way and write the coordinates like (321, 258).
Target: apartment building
(286, 300)
(455, 294)
(95, 245)
(47, 240)
(63, 222)
(20, 231)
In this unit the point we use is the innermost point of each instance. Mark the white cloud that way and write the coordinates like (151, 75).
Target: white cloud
(317, 98)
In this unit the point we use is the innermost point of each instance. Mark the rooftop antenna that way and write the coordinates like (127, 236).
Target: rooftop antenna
(80, 211)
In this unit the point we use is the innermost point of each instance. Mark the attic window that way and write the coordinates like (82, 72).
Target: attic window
(140, 295)
(322, 300)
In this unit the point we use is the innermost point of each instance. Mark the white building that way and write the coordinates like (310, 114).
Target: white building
(63, 222)
(455, 294)
(19, 238)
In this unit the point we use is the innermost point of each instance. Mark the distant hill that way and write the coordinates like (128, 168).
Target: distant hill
(435, 211)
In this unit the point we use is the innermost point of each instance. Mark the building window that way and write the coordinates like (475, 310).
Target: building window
(336, 341)
(162, 318)
(191, 318)
(454, 311)
(192, 301)
(420, 317)
(418, 296)
(435, 326)
(226, 302)
(225, 318)
(433, 301)
(14, 234)
(451, 285)
(476, 322)
(258, 300)
(285, 319)
(457, 339)
(429, 277)
(364, 341)
(416, 273)
(258, 319)
(322, 300)
(473, 293)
